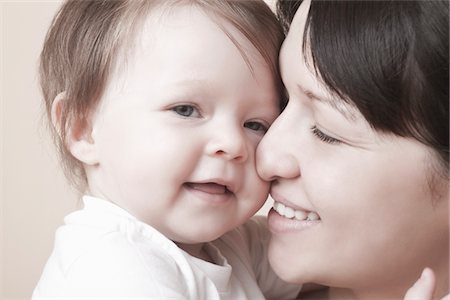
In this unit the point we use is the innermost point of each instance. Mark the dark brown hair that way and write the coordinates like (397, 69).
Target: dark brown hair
(389, 59)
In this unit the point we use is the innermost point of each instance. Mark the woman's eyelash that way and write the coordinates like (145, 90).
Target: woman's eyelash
(323, 137)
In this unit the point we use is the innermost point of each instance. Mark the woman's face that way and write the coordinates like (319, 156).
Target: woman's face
(378, 223)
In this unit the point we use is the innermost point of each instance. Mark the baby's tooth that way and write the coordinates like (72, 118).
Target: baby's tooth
(312, 216)
(300, 215)
(289, 212)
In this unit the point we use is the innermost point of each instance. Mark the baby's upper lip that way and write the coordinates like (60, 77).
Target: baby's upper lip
(280, 198)
(229, 184)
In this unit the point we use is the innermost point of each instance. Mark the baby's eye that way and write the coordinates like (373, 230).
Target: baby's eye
(186, 110)
(256, 126)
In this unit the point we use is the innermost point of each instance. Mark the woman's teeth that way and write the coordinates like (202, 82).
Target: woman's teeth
(290, 213)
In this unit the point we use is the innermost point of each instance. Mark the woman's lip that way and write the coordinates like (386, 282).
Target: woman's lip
(279, 198)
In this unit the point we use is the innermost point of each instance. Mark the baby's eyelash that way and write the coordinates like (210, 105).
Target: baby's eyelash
(256, 126)
(186, 110)
(324, 137)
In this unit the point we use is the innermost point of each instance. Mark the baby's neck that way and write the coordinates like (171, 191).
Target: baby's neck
(196, 250)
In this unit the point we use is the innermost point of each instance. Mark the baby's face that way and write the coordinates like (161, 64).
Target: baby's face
(177, 128)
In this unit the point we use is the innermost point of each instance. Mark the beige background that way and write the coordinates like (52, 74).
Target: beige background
(34, 196)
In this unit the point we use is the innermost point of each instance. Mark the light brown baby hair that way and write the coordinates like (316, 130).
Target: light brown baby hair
(86, 39)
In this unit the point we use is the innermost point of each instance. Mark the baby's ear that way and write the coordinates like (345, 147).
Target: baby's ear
(78, 139)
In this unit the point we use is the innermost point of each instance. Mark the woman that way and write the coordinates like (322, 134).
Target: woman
(359, 156)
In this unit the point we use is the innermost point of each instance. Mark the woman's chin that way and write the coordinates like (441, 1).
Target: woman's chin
(287, 266)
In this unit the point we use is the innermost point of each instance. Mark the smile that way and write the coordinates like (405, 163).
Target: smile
(209, 188)
(210, 193)
(290, 213)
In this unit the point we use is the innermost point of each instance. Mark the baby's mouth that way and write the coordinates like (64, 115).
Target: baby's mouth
(209, 187)
(290, 213)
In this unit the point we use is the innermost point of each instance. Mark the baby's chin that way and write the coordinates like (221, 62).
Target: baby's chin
(196, 234)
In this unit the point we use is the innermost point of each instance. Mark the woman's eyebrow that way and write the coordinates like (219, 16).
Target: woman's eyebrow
(344, 109)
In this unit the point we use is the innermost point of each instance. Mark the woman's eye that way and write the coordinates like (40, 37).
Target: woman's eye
(186, 110)
(324, 137)
(256, 126)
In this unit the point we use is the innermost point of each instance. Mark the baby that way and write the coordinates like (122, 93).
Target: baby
(158, 107)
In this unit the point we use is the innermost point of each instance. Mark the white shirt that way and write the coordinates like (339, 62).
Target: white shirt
(103, 252)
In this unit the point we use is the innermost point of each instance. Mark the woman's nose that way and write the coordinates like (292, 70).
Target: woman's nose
(275, 155)
(229, 143)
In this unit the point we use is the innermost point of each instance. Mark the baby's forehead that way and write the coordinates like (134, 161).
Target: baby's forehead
(170, 17)
(174, 37)
(167, 24)
(152, 27)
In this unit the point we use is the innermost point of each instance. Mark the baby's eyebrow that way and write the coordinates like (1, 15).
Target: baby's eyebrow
(203, 84)
(191, 82)
(191, 87)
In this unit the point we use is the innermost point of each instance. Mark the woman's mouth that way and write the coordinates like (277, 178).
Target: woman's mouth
(283, 219)
(291, 213)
